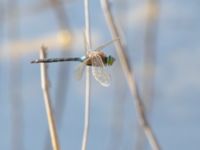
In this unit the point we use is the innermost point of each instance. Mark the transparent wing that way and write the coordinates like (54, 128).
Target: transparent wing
(106, 44)
(79, 71)
(99, 72)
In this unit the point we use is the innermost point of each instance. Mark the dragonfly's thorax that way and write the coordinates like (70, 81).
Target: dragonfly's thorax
(91, 59)
(92, 54)
(95, 53)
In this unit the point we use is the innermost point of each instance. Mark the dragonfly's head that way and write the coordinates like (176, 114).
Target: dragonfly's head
(110, 60)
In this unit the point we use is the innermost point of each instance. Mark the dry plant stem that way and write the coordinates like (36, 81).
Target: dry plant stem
(63, 73)
(87, 111)
(47, 101)
(129, 77)
(87, 83)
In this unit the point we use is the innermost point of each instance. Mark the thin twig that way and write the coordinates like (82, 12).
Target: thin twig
(129, 77)
(47, 101)
(87, 83)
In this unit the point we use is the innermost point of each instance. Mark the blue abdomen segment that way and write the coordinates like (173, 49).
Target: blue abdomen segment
(83, 58)
(52, 60)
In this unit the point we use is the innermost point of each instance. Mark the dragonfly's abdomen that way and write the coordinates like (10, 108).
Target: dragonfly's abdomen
(52, 60)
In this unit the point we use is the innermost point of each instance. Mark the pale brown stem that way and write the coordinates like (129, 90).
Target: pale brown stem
(87, 37)
(129, 77)
(47, 101)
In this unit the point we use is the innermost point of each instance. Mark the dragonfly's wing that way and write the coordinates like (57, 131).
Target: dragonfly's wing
(79, 71)
(106, 44)
(99, 72)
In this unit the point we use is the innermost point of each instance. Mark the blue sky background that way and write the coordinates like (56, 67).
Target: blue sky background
(175, 115)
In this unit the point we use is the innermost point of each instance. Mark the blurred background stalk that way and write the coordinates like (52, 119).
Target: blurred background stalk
(16, 78)
(149, 65)
(2, 29)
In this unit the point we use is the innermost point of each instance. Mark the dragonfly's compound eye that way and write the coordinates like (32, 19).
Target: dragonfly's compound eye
(110, 60)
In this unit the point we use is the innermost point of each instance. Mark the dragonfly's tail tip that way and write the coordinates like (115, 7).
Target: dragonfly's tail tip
(34, 61)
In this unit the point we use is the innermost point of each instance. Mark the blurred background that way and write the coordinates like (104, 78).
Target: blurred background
(161, 40)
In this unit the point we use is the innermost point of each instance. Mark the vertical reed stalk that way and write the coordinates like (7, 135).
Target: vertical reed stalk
(47, 101)
(129, 77)
(63, 69)
(87, 84)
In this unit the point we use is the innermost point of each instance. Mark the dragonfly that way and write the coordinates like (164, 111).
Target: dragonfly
(96, 59)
